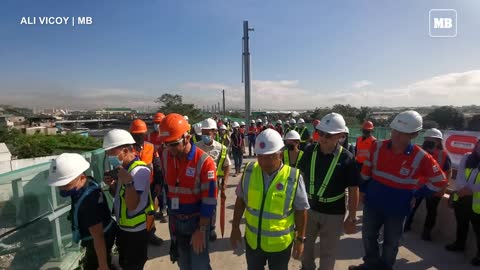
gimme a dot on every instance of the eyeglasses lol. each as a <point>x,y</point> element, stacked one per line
<point>174,143</point>
<point>322,134</point>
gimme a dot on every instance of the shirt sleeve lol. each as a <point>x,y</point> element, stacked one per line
<point>208,188</point>
<point>460,180</point>
<point>301,199</point>
<point>434,176</point>
<point>366,170</point>
<point>141,179</point>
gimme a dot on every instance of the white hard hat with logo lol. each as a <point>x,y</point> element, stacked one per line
<point>407,122</point>
<point>292,121</point>
<point>66,168</point>
<point>252,121</point>
<point>235,125</point>
<point>433,133</point>
<point>268,142</point>
<point>332,123</point>
<point>301,121</point>
<point>292,135</point>
<point>259,120</point>
<point>209,123</point>
<point>223,127</point>
<point>117,137</point>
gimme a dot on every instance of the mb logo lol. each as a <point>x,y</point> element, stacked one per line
<point>442,23</point>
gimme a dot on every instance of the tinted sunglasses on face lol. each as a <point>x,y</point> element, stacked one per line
<point>174,143</point>
<point>327,135</point>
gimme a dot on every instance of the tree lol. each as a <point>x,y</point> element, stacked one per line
<point>173,104</point>
<point>363,114</point>
<point>427,124</point>
<point>474,123</point>
<point>345,110</point>
<point>447,117</point>
<point>319,113</point>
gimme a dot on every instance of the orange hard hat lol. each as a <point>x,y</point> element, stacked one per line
<point>367,125</point>
<point>173,127</point>
<point>158,117</point>
<point>138,126</point>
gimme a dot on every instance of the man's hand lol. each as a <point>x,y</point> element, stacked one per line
<point>465,191</point>
<point>108,180</point>
<point>124,176</point>
<point>103,267</point>
<point>297,251</point>
<point>235,237</point>
<point>198,241</point>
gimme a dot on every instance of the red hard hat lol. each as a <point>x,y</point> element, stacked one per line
<point>367,125</point>
<point>138,126</point>
<point>158,117</point>
<point>173,127</point>
<point>315,123</point>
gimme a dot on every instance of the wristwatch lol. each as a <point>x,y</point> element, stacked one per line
<point>300,239</point>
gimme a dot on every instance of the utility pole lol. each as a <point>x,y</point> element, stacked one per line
<point>223,94</point>
<point>246,69</point>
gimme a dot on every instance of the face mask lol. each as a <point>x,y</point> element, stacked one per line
<point>366,133</point>
<point>156,127</point>
<point>428,145</point>
<point>342,140</point>
<point>139,138</point>
<point>290,147</point>
<point>207,139</point>
<point>114,161</point>
<point>69,193</point>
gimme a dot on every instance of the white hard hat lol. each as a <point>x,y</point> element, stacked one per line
<point>252,121</point>
<point>268,142</point>
<point>433,133</point>
<point>242,123</point>
<point>347,130</point>
<point>225,119</point>
<point>223,127</point>
<point>65,168</point>
<point>117,137</point>
<point>407,122</point>
<point>186,117</point>
<point>209,123</point>
<point>292,135</point>
<point>235,125</point>
<point>301,121</point>
<point>259,120</point>
<point>292,121</point>
<point>198,128</point>
<point>332,123</point>
<point>279,122</point>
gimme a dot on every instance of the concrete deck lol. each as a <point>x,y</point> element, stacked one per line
<point>414,254</point>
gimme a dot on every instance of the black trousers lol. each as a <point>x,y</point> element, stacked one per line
<point>132,249</point>
<point>257,259</point>
<point>90,260</point>
<point>465,215</point>
<point>432,205</point>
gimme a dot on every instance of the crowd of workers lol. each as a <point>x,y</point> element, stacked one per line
<point>300,186</point>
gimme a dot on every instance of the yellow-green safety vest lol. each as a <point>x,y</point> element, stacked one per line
<point>469,174</point>
<point>269,215</point>
<point>125,220</point>
<point>221,161</point>
<point>286,158</point>
<point>301,135</point>
<point>326,180</point>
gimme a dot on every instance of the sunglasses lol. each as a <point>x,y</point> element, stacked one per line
<point>174,143</point>
<point>324,134</point>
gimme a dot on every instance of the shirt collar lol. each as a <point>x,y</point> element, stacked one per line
<point>130,164</point>
<point>191,154</point>
<point>274,173</point>
<point>408,150</point>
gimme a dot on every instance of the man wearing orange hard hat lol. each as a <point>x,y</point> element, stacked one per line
<point>364,143</point>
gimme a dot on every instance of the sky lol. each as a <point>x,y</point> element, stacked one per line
<point>304,54</point>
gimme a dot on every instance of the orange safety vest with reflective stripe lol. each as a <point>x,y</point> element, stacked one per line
<point>441,157</point>
<point>403,171</point>
<point>146,155</point>
<point>194,177</point>
<point>363,148</point>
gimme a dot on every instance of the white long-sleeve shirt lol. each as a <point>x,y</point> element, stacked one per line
<point>461,181</point>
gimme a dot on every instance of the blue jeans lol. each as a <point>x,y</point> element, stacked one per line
<point>238,158</point>
<point>187,258</point>
<point>393,229</point>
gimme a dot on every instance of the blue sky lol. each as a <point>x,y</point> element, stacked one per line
<point>305,54</point>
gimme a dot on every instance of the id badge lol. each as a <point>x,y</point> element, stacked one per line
<point>175,204</point>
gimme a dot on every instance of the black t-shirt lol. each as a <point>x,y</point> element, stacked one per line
<point>345,175</point>
<point>93,210</point>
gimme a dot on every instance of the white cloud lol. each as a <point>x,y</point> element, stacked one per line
<point>361,84</point>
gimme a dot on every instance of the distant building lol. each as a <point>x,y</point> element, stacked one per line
<point>116,111</point>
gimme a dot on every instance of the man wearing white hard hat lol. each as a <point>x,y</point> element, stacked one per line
<point>272,195</point>
<point>393,173</point>
<point>304,133</point>
<point>292,155</point>
<point>279,128</point>
<point>329,170</point>
<point>133,201</point>
<point>92,224</point>
<point>219,153</point>
<point>432,143</point>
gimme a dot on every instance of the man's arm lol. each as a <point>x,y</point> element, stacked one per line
<point>238,212</point>
<point>96,231</point>
<point>300,222</point>
<point>353,194</point>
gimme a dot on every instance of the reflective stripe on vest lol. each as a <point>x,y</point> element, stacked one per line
<point>363,148</point>
<point>286,158</point>
<point>197,186</point>
<point>301,135</point>
<point>327,178</point>
<point>269,215</point>
<point>408,179</point>
<point>125,220</point>
<point>476,195</point>
<point>221,161</point>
